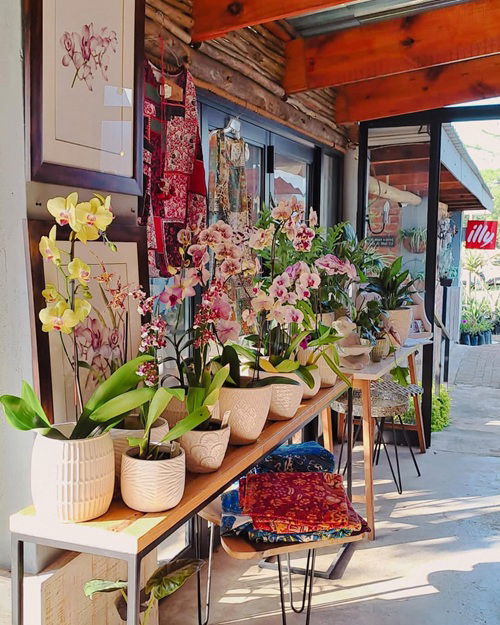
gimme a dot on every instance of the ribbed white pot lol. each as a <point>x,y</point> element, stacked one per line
<point>72,480</point>
<point>152,485</point>
<point>175,411</point>
<point>328,377</point>
<point>120,437</point>
<point>285,398</point>
<point>249,408</point>
<point>205,450</point>
<point>401,319</point>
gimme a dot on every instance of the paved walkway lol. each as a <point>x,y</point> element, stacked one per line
<point>436,558</point>
<point>475,366</point>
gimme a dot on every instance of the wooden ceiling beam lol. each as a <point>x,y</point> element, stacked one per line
<point>453,83</point>
<point>431,38</point>
<point>214,18</point>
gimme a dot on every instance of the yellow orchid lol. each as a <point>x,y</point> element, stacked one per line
<point>82,309</point>
<point>91,218</point>
<point>48,248</point>
<point>63,209</point>
<point>50,294</point>
<point>59,317</point>
<point>78,270</point>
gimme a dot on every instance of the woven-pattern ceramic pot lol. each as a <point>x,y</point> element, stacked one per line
<point>152,485</point>
<point>72,480</point>
<point>120,438</point>
<point>175,411</point>
<point>205,450</point>
<point>401,319</point>
<point>309,392</point>
<point>249,408</point>
<point>285,398</point>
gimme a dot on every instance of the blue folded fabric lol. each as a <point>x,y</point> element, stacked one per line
<point>300,458</point>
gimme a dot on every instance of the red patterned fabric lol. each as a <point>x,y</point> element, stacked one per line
<point>297,502</point>
<point>175,194</point>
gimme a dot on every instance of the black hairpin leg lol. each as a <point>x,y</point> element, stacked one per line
<point>399,483</point>
<point>380,429</point>
<point>405,434</point>
<point>203,619</point>
<point>307,590</point>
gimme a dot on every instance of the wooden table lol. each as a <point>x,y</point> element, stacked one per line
<point>130,535</point>
<point>361,380</point>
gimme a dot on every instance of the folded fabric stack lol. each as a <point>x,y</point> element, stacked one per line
<point>291,496</point>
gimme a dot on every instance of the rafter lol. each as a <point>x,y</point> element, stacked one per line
<point>419,91</point>
<point>435,37</point>
<point>214,18</point>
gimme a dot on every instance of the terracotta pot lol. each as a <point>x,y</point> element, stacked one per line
<point>175,411</point>
<point>205,450</point>
<point>401,319</point>
<point>285,398</point>
<point>152,485</point>
<point>249,408</point>
<point>72,480</point>
<point>381,349</point>
<point>328,377</point>
<point>133,427</point>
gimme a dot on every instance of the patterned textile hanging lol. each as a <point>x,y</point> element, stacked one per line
<point>174,175</point>
<point>227,185</point>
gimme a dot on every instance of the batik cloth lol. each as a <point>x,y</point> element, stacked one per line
<point>296,502</point>
<point>174,175</point>
<point>298,458</point>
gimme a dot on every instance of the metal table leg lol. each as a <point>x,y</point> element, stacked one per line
<point>133,590</point>
<point>17,578</point>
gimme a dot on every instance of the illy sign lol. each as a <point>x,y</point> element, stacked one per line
<point>481,235</point>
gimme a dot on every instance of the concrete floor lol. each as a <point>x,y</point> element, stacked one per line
<point>436,557</point>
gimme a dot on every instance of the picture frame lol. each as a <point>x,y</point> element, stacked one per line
<point>85,57</point>
<point>131,261</point>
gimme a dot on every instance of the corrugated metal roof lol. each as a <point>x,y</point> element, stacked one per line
<point>352,14</point>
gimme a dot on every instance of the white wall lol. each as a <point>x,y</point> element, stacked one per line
<point>15,331</point>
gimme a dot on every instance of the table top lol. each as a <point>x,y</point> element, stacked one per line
<point>375,370</point>
<point>127,531</point>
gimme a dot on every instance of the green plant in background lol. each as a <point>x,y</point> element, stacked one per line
<point>111,401</point>
<point>414,239</point>
<point>440,415</point>
<point>164,582</point>
<point>392,285</point>
<point>478,315</point>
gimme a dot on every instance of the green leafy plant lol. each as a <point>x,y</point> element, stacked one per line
<point>392,285</point>
<point>414,239</point>
<point>163,582</point>
<point>440,411</point>
<point>111,401</point>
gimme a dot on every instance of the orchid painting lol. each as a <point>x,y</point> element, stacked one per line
<point>89,52</point>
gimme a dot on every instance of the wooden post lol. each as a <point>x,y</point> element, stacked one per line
<point>368,435</point>
<point>416,404</point>
<point>326,421</point>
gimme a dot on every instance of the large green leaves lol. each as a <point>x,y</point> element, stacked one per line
<point>274,379</point>
<point>170,577</point>
<point>29,396</point>
<point>195,418</point>
<point>230,358</point>
<point>121,404</point>
<point>20,414</point>
<point>101,585</point>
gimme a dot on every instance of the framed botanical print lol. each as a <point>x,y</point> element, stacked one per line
<point>110,335</point>
<point>84,66</point>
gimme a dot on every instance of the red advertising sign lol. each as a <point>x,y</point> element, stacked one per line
<point>481,235</point>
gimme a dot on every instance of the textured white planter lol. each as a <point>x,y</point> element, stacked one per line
<point>120,438</point>
<point>311,392</point>
<point>401,320</point>
<point>72,480</point>
<point>175,411</point>
<point>328,377</point>
<point>205,450</point>
<point>152,485</point>
<point>327,319</point>
<point>285,398</point>
<point>249,408</point>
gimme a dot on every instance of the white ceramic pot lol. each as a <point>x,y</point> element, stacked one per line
<point>175,411</point>
<point>249,408</point>
<point>205,450</point>
<point>120,437</point>
<point>72,480</point>
<point>401,319</point>
<point>328,377</point>
<point>327,319</point>
<point>285,398</point>
<point>310,392</point>
<point>152,485</point>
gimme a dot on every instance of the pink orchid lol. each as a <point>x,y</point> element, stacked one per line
<point>278,314</point>
<point>290,229</point>
<point>223,229</point>
<point>221,307</point>
<point>209,237</point>
<point>230,267</point>
<point>277,291</point>
<point>184,237</point>
<point>199,254</point>
<point>282,280</point>
<point>293,315</point>
<point>313,218</point>
<point>226,249</point>
<point>334,266</point>
<point>309,280</point>
<point>262,301</point>
<point>227,330</point>
<point>290,298</point>
<point>261,238</point>
<point>296,269</point>
<point>302,292</point>
<point>249,317</point>
<point>187,282</point>
<point>282,212</point>
<point>171,296</point>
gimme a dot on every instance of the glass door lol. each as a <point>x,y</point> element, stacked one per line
<point>291,172</point>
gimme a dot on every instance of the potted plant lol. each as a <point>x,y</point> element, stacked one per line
<point>373,325</point>
<point>414,239</point>
<point>163,582</point>
<point>72,466</point>
<point>394,289</point>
